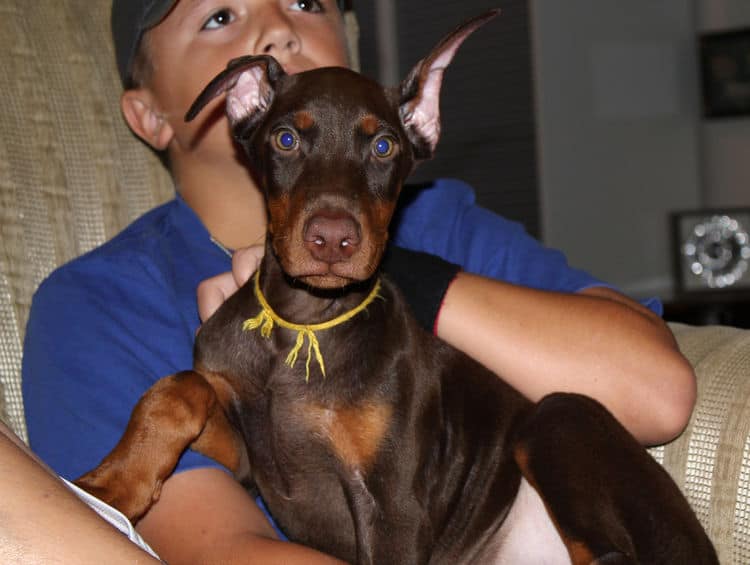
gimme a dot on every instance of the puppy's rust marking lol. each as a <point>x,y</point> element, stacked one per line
<point>278,210</point>
<point>379,216</point>
<point>219,439</point>
<point>580,553</point>
<point>355,433</point>
<point>369,124</point>
<point>303,120</point>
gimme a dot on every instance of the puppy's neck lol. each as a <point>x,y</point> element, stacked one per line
<point>299,303</point>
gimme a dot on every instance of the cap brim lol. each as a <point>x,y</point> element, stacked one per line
<point>155,13</point>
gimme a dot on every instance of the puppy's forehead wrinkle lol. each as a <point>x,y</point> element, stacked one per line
<point>335,88</point>
<point>332,187</point>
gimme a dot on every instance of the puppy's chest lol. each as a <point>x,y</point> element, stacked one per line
<point>353,433</point>
<point>306,401</point>
<point>309,423</point>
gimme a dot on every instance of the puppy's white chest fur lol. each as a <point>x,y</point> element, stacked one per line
<point>528,536</point>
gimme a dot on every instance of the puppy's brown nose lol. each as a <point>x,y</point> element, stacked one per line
<point>332,236</point>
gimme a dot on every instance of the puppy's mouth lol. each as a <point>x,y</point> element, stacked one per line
<point>318,274</point>
<point>327,282</point>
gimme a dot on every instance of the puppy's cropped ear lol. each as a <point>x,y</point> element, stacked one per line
<point>249,83</point>
<point>419,104</point>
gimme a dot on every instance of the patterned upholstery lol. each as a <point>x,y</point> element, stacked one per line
<point>711,460</point>
<point>71,176</point>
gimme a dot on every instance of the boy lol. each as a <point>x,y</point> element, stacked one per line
<point>106,326</point>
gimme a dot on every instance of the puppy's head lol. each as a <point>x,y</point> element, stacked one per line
<point>331,149</point>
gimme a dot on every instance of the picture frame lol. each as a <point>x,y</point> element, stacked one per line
<point>711,250</point>
<point>725,73</point>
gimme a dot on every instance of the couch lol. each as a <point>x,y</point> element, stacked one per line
<point>71,176</point>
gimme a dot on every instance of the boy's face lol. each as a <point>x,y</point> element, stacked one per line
<point>198,37</point>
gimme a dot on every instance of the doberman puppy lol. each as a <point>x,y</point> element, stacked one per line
<point>367,437</point>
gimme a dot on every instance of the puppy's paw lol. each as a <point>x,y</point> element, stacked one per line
<point>121,490</point>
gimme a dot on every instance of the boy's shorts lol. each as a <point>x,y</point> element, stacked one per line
<point>111,515</point>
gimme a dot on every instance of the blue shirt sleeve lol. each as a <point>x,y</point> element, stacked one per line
<point>100,333</point>
<point>444,219</point>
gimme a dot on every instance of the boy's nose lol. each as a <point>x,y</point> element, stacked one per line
<point>277,35</point>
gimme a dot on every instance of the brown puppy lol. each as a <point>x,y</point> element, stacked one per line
<point>368,438</point>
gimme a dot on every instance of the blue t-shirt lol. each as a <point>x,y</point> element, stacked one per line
<point>104,327</point>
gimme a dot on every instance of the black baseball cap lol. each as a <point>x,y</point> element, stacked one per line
<point>130,19</point>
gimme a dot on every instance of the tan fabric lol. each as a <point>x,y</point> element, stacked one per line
<point>711,460</point>
<point>71,174</point>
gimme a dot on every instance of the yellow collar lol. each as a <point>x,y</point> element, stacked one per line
<point>267,317</point>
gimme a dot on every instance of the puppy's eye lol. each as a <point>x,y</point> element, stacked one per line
<point>219,19</point>
<point>383,146</point>
<point>286,140</point>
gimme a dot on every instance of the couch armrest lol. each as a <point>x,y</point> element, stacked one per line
<point>71,173</point>
<point>710,461</point>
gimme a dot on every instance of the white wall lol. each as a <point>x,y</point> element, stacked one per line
<point>725,144</point>
<point>618,133</point>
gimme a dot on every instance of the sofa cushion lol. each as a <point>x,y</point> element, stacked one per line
<point>71,174</point>
<point>711,459</point>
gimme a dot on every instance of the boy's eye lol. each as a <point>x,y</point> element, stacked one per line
<point>307,6</point>
<point>285,140</point>
<point>219,19</point>
<point>383,146</point>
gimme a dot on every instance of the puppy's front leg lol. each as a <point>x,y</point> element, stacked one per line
<point>364,510</point>
<point>178,411</point>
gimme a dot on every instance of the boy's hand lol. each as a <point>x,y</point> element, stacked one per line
<point>214,291</point>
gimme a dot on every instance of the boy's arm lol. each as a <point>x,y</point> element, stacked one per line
<point>44,522</point>
<point>596,342</point>
<point>205,516</point>
<point>572,333</point>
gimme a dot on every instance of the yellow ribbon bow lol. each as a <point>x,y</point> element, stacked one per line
<point>267,318</point>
